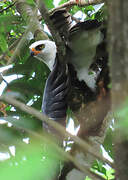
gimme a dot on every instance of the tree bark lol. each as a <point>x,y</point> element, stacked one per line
<point>118,48</point>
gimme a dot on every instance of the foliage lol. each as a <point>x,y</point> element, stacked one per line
<point>103,170</point>
<point>28,87</point>
<point>122,117</point>
<point>29,161</point>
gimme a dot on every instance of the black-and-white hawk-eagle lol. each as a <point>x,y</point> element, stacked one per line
<point>86,54</point>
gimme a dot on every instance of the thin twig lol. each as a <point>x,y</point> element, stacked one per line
<point>20,45</point>
<point>2,78</point>
<point>13,45</point>
<point>5,9</point>
<point>83,144</point>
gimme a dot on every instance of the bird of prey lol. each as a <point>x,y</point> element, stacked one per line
<point>86,56</point>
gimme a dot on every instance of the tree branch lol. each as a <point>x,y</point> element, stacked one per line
<point>66,156</point>
<point>118,56</point>
<point>56,36</point>
<point>30,16</point>
<point>83,144</point>
<point>5,9</point>
<point>80,3</point>
<point>12,46</point>
<point>33,25</point>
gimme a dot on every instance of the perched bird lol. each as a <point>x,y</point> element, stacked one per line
<point>86,55</point>
<point>82,43</point>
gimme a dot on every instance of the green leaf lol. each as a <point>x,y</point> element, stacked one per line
<point>108,144</point>
<point>3,43</point>
<point>49,4</point>
<point>90,72</point>
<point>62,1</point>
<point>9,135</point>
<point>122,116</point>
<point>8,18</point>
<point>6,22</point>
<point>22,122</point>
<point>1,3</point>
<point>87,178</point>
<point>31,162</point>
<point>31,2</point>
<point>110,174</point>
<point>101,169</point>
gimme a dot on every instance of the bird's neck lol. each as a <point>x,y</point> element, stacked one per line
<point>50,63</point>
<point>49,58</point>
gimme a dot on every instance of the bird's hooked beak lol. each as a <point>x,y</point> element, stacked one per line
<point>34,52</point>
<point>31,53</point>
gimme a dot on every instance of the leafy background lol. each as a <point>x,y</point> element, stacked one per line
<point>22,156</point>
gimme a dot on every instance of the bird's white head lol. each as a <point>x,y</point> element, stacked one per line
<point>44,50</point>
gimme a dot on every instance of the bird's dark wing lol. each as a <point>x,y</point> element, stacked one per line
<point>62,21</point>
<point>85,26</point>
<point>55,94</point>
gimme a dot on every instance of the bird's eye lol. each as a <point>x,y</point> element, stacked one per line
<point>40,47</point>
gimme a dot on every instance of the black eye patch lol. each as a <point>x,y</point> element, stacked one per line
<point>40,47</point>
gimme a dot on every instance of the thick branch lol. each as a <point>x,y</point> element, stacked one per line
<point>80,3</point>
<point>56,36</point>
<point>118,31</point>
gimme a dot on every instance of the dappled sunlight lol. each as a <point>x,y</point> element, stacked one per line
<point>4,156</point>
<point>9,79</point>
<point>12,150</point>
<point>26,140</point>
<point>105,154</point>
<point>71,127</point>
